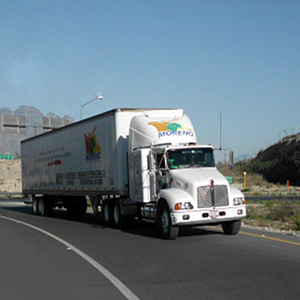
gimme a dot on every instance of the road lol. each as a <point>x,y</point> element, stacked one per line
<point>69,258</point>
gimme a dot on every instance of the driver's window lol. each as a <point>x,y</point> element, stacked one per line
<point>160,161</point>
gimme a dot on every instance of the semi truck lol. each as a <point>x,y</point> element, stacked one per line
<point>131,164</point>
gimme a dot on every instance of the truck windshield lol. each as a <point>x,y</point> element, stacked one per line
<point>189,158</point>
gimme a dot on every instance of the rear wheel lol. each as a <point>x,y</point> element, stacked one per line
<point>35,203</point>
<point>107,213</point>
<point>117,215</point>
<point>165,228</point>
<point>44,207</point>
<point>232,228</point>
<point>121,221</point>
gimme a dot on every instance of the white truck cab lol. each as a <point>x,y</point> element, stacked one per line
<point>177,181</point>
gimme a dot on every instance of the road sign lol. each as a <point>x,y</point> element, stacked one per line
<point>229,178</point>
<point>6,156</point>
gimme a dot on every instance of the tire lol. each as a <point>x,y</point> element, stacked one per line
<point>165,228</point>
<point>35,204</point>
<point>107,213</point>
<point>121,221</point>
<point>232,228</point>
<point>118,218</point>
<point>44,207</point>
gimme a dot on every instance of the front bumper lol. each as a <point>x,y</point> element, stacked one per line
<point>208,216</point>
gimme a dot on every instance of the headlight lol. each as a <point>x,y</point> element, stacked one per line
<point>183,205</point>
<point>239,201</point>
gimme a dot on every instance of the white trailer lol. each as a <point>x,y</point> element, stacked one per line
<point>131,163</point>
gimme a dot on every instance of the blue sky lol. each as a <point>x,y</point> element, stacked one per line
<point>238,57</point>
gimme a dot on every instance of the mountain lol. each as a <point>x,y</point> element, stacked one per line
<point>6,111</point>
<point>69,118</point>
<point>33,115</point>
<point>10,143</point>
<point>52,115</point>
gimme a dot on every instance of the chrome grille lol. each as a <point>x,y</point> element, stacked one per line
<point>206,195</point>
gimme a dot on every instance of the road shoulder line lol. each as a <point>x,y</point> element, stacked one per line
<point>114,280</point>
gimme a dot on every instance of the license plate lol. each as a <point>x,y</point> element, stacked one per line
<point>213,214</point>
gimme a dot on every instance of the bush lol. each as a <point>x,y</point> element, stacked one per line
<point>297,220</point>
<point>284,215</point>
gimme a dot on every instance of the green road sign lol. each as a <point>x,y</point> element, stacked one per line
<point>229,178</point>
<point>6,156</point>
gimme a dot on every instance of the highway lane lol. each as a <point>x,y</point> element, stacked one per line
<point>202,263</point>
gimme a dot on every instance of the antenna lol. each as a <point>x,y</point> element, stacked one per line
<point>220,130</point>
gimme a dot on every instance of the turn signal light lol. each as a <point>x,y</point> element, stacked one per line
<point>183,205</point>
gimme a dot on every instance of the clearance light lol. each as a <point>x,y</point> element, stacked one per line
<point>183,205</point>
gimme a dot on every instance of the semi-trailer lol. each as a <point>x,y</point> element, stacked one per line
<point>131,163</point>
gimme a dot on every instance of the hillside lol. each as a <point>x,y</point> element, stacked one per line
<point>280,162</point>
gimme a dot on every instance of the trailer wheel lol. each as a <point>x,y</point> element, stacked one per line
<point>35,205</point>
<point>44,207</point>
<point>231,228</point>
<point>165,228</point>
<point>118,218</point>
<point>107,213</point>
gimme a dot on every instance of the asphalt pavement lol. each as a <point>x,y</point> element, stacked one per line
<point>39,255</point>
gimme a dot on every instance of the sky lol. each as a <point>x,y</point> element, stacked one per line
<point>235,61</point>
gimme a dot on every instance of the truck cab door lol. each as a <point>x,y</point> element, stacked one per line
<point>152,176</point>
<point>140,186</point>
<point>136,182</point>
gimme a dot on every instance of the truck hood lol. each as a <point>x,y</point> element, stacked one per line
<point>197,177</point>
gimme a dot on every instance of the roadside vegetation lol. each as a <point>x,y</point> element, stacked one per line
<point>274,215</point>
<point>282,215</point>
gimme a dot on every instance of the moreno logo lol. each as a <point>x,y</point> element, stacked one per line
<point>171,128</point>
<point>93,149</point>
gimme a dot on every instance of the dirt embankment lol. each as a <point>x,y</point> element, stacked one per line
<point>10,176</point>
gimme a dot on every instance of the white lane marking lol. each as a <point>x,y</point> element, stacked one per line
<point>114,280</point>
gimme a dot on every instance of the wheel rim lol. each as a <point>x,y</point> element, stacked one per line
<point>116,214</point>
<point>106,212</point>
<point>165,223</point>
<point>34,206</point>
<point>41,207</point>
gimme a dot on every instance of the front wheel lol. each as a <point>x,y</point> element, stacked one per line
<point>232,228</point>
<point>165,228</point>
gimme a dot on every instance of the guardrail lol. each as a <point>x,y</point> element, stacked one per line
<point>267,198</point>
